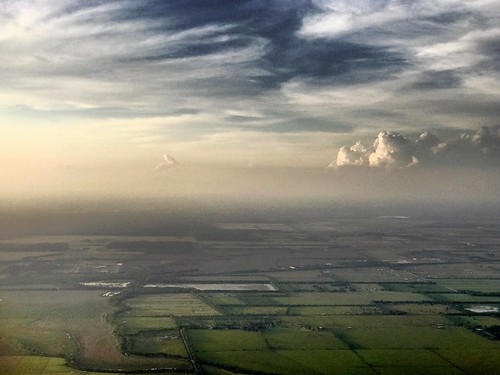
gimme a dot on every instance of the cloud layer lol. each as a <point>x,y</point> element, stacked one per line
<point>292,64</point>
<point>392,150</point>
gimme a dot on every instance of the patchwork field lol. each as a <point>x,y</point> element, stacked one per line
<point>345,296</point>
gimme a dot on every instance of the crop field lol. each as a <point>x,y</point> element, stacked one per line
<point>174,304</point>
<point>256,310</point>
<point>168,343</point>
<point>471,285</point>
<point>134,324</point>
<point>301,339</point>
<point>37,365</point>
<point>348,296</point>
<point>374,274</point>
<point>334,310</point>
<point>408,337</point>
<point>225,340</point>
<point>413,361</point>
<point>462,297</point>
<point>422,308</point>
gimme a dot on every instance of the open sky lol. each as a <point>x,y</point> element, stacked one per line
<point>157,97</point>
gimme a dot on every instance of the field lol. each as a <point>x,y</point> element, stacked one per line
<point>346,296</point>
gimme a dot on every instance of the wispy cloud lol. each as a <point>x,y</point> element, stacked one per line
<point>185,72</point>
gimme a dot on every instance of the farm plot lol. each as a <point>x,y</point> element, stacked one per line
<point>465,298</point>
<point>348,298</point>
<point>301,339</point>
<point>260,361</point>
<point>35,365</point>
<point>69,324</point>
<point>133,324</point>
<point>328,361</point>
<point>414,337</point>
<point>256,310</point>
<point>334,310</point>
<point>422,308</point>
<point>203,340</point>
<point>414,361</point>
<point>223,298</point>
<point>471,285</point>
<point>167,343</point>
<point>169,304</point>
<point>373,274</point>
<point>368,321</point>
<point>473,360</point>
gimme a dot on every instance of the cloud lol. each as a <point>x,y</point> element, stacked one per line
<point>167,163</point>
<point>391,150</point>
<point>323,66</point>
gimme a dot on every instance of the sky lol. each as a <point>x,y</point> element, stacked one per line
<point>338,98</point>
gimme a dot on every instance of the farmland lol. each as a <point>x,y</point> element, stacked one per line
<point>368,295</point>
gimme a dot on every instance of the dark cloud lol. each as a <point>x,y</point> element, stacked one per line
<point>278,23</point>
<point>371,63</point>
<point>436,80</point>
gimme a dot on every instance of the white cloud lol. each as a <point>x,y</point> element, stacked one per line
<point>167,163</point>
<point>391,150</point>
<point>355,155</point>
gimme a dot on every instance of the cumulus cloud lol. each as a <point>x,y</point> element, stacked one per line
<point>354,155</point>
<point>167,163</point>
<point>392,150</point>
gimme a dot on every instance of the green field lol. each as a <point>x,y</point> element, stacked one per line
<point>168,343</point>
<point>343,305</point>
<point>414,337</point>
<point>256,310</point>
<point>334,310</point>
<point>413,361</point>
<point>301,339</point>
<point>173,304</point>
<point>471,285</point>
<point>348,298</point>
<point>37,365</point>
<point>133,324</point>
<point>225,340</point>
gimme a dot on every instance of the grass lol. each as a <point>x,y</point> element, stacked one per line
<point>169,304</point>
<point>473,360</point>
<point>414,361</point>
<point>206,340</point>
<point>69,324</point>
<point>301,339</point>
<point>334,310</point>
<point>132,324</point>
<point>223,298</point>
<point>373,274</point>
<point>472,285</point>
<point>409,337</point>
<point>466,298</point>
<point>35,365</point>
<point>423,308</point>
<point>168,344</point>
<point>348,298</point>
<point>415,287</point>
<point>254,361</point>
<point>328,361</point>
<point>256,310</point>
